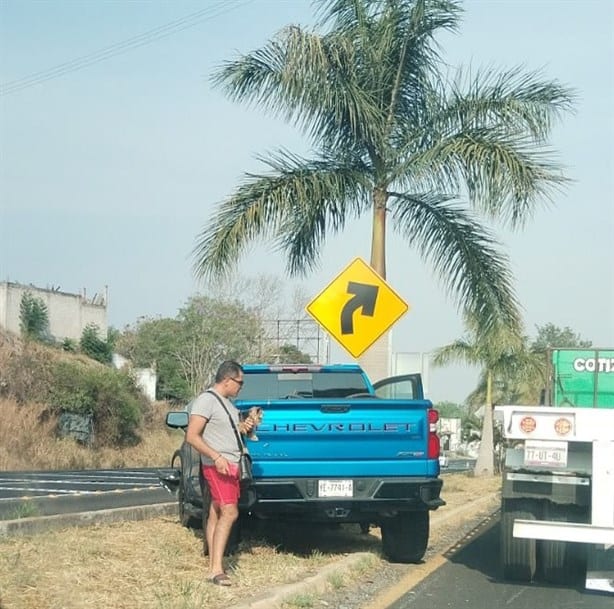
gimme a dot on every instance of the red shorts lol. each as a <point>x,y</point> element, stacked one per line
<point>224,489</point>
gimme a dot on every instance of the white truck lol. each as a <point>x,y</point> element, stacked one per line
<point>557,511</point>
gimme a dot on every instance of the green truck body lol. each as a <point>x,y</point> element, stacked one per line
<point>582,378</point>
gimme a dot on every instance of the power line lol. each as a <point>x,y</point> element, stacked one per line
<point>119,48</point>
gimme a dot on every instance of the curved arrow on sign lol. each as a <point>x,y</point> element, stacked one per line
<point>365,296</point>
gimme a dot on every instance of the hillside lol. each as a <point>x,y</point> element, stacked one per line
<point>29,432</point>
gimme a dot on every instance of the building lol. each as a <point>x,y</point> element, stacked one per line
<point>68,314</point>
<point>450,431</point>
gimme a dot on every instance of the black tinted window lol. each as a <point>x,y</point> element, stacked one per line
<point>288,385</point>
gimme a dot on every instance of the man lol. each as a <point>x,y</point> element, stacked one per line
<point>211,433</point>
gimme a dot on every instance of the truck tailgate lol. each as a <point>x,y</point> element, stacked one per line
<point>348,437</point>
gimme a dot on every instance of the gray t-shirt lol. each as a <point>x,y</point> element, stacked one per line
<point>218,432</point>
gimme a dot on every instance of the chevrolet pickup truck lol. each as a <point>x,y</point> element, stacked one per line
<point>332,447</point>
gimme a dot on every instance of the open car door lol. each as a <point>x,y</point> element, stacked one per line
<point>405,386</point>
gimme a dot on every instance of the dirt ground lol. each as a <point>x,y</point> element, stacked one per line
<point>158,564</point>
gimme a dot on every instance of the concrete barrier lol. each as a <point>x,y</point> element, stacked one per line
<point>40,524</point>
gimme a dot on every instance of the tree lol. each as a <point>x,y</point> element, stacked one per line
<point>506,362</point>
<point>93,346</point>
<point>153,343</point>
<point>550,336</point>
<point>33,317</point>
<point>213,330</point>
<point>394,138</point>
<point>186,350</point>
<point>514,370</point>
<point>450,410</point>
<point>291,354</point>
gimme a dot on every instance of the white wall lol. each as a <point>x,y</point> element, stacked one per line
<point>145,378</point>
<point>68,313</point>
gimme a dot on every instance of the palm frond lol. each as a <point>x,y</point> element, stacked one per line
<point>457,351</point>
<point>524,102</point>
<point>295,204</point>
<point>505,173</point>
<point>463,254</point>
<point>308,79</point>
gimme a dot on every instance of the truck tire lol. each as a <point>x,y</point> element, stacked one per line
<point>518,556</point>
<point>405,536</point>
<point>184,514</point>
<point>561,562</point>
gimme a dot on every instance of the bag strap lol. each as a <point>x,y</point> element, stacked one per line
<point>240,442</point>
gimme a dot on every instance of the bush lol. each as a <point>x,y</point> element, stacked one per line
<point>93,346</point>
<point>109,395</point>
<point>26,372</point>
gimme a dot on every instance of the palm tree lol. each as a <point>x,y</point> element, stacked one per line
<point>393,137</point>
<point>512,373</point>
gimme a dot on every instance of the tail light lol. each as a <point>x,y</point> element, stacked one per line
<point>433,447</point>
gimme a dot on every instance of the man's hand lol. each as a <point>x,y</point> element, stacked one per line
<point>246,426</point>
<point>221,465</point>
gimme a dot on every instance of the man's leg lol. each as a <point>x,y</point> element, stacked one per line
<point>226,517</point>
<point>209,532</point>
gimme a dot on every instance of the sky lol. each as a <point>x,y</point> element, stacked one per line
<point>117,150</point>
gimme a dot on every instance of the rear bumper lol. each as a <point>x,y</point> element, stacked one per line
<point>372,497</point>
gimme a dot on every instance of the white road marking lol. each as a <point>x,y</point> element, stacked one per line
<point>54,491</point>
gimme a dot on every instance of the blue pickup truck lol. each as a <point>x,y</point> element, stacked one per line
<point>332,447</point>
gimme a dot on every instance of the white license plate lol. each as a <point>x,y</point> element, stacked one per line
<point>543,452</point>
<point>335,488</point>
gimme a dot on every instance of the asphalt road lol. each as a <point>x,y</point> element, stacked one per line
<point>45,493</point>
<point>61,492</point>
<point>470,578</point>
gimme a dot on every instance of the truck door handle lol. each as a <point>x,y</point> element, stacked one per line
<point>334,409</point>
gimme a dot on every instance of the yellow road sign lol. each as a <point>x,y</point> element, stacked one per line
<point>357,307</point>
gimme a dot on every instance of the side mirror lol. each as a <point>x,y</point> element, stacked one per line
<point>170,480</point>
<point>177,419</point>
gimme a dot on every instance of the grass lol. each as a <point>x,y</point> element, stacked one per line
<point>145,565</point>
<point>300,601</point>
<point>28,442</point>
<point>25,509</point>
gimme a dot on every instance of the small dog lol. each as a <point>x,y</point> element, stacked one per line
<point>254,416</point>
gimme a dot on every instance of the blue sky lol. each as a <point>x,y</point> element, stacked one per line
<point>108,173</point>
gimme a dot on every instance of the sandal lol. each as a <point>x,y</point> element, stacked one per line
<point>221,579</point>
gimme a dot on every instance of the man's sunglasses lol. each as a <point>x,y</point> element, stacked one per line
<point>237,381</point>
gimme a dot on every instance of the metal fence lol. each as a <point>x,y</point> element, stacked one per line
<point>305,335</point>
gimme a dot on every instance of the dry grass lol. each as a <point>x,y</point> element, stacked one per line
<point>145,565</point>
<point>28,442</point>
<point>158,564</point>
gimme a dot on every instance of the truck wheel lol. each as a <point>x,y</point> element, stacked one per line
<point>405,536</point>
<point>561,561</point>
<point>518,555</point>
<point>184,517</point>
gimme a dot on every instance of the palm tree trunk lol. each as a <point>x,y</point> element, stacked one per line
<point>485,465</point>
<point>375,361</point>
<point>378,234</point>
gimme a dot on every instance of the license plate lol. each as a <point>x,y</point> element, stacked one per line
<point>335,488</point>
<point>543,452</point>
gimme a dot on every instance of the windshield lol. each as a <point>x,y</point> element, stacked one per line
<point>288,385</point>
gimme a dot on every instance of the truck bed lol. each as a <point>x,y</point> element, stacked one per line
<point>342,437</point>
